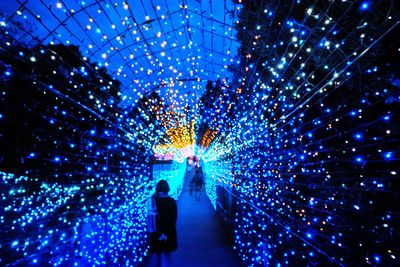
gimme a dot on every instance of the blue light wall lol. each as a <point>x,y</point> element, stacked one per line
<point>302,155</point>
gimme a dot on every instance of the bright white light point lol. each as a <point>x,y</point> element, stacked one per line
<point>3,23</point>
<point>33,59</point>
<point>126,6</point>
<point>158,7</point>
<point>104,55</point>
<point>59,5</point>
<point>147,17</point>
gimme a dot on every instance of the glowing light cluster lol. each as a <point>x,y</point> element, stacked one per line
<point>218,175</point>
<point>50,223</point>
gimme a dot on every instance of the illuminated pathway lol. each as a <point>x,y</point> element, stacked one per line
<point>202,239</point>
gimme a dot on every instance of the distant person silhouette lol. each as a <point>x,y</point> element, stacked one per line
<point>164,240</point>
<point>197,184</point>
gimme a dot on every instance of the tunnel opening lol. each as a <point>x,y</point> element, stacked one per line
<point>290,108</point>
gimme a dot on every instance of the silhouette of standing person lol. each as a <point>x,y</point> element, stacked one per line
<point>164,240</point>
<point>197,183</point>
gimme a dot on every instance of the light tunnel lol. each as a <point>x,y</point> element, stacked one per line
<point>290,107</point>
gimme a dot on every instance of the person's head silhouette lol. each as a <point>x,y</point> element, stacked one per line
<point>162,187</point>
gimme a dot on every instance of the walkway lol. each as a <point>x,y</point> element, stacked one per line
<point>202,238</point>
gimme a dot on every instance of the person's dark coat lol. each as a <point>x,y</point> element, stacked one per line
<point>198,180</point>
<point>165,224</point>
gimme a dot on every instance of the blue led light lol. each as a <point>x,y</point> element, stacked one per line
<point>359,159</point>
<point>377,258</point>
<point>388,155</point>
<point>358,136</point>
<point>364,5</point>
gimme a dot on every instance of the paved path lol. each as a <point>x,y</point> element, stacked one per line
<point>202,238</point>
